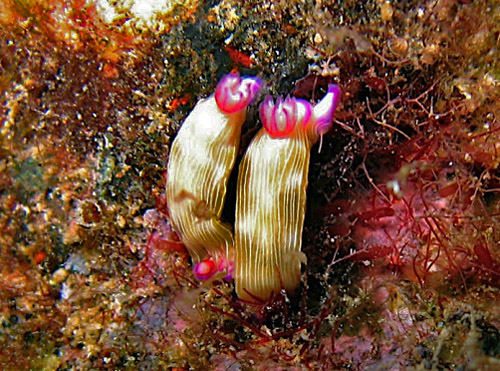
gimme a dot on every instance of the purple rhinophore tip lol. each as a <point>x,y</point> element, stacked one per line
<point>324,110</point>
<point>234,93</point>
<point>280,119</point>
<point>229,268</point>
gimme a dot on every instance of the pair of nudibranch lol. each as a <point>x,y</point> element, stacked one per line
<point>263,254</point>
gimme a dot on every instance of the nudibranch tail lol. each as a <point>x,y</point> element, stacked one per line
<point>205,269</point>
<point>234,93</point>
<point>323,111</point>
<point>280,119</point>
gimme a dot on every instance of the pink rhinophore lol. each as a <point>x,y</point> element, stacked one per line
<point>234,93</point>
<point>323,111</point>
<point>280,119</point>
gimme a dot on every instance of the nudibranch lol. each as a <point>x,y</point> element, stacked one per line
<point>271,194</point>
<point>200,161</point>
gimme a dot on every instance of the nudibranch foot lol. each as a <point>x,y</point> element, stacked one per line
<point>234,93</point>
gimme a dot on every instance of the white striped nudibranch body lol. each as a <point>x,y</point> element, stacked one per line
<point>271,195</point>
<point>200,161</point>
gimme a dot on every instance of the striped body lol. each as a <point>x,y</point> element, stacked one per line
<point>200,162</point>
<point>270,211</point>
<point>271,195</point>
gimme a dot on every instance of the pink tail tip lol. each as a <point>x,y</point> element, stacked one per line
<point>205,269</point>
<point>323,111</point>
<point>234,93</point>
<point>280,119</point>
<point>208,267</point>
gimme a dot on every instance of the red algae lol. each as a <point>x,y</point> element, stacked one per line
<point>420,234</point>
